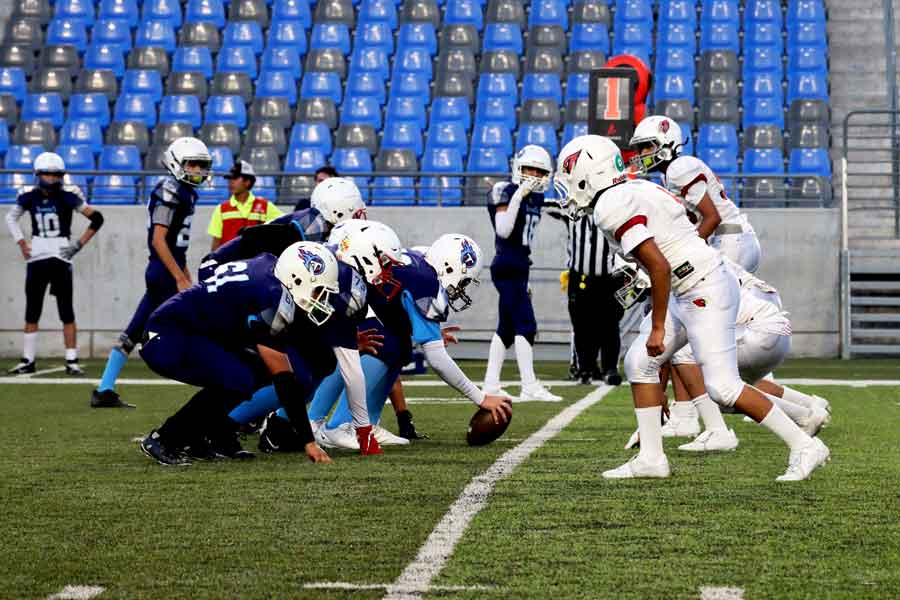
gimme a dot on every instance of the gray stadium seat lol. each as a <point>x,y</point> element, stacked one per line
<point>60,57</point>
<point>166,133</point>
<point>221,134</point>
<point>277,110</point>
<point>200,34</point>
<point>188,83</point>
<point>294,187</point>
<point>152,58</point>
<point>763,136</point>
<point>268,134</point>
<point>806,191</point>
<point>506,11</point>
<point>17,56</point>
<point>153,158</point>
<point>396,160</point>
<point>809,135</point>
<point>460,36</point>
<point>249,10</point>
<point>356,136</point>
<point>500,61</point>
<point>716,85</point>
<point>36,9</point>
<point>421,11</point>
<point>101,81</point>
<point>551,36</point>
<point>585,61</point>
<point>719,61</point>
<point>128,133</point>
<point>40,133</point>
<point>720,111</point>
<point>51,80</point>
<point>335,11</point>
<point>263,158</point>
<point>543,60</point>
<point>541,111</point>
<point>808,111</point>
<point>763,193</point>
<point>455,84</point>
<point>25,32</point>
<point>9,109</point>
<point>577,111</point>
<point>680,111</point>
<point>457,60</point>
<point>232,84</point>
<point>329,60</point>
<point>477,189</point>
<point>591,11</point>
<point>317,110</point>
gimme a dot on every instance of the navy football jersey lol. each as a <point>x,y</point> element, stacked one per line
<point>516,249</point>
<point>309,222</point>
<point>51,218</point>
<point>172,204</point>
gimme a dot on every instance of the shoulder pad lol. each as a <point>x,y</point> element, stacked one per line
<point>682,170</point>
<point>502,192</point>
<point>168,191</point>
<point>76,191</point>
<point>25,190</point>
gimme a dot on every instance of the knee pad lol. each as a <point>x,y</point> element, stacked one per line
<point>640,367</point>
<point>724,390</point>
<point>125,344</point>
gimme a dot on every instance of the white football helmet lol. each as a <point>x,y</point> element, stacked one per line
<point>662,135</point>
<point>188,150</point>
<point>635,282</point>
<point>372,248</point>
<point>49,163</point>
<point>338,199</point>
<point>458,261</point>
<point>309,271</point>
<point>532,156</point>
<point>587,165</point>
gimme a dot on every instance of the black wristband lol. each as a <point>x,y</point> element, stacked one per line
<point>96,220</point>
<point>287,388</point>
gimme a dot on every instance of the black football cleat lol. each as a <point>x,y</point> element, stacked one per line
<point>25,367</point>
<point>227,444</point>
<point>153,447</point>
<point>406,427</point>
<point>73,368</point>
<point>278,435</point>
<point>585,378</point>
<point>612,377</point>
<point>200,449</point>
<point>108,399</point>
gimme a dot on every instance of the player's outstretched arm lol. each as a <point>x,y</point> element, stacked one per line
<point>657,267</point>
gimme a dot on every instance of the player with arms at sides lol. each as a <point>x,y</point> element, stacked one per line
<point>515,211</point>
<point>171,208</point>
<point>50,204</point>
<point>260,321</point>
<point>695,300</point>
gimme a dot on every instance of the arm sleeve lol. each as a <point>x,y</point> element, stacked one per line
<point>272,212</point>
<point>505,222</point>
<point>162,215</point>
<point>354,383</point>
<point>12,222</point>
<point>449,371</point>
<point>424,330</point>
<point>215,223</point>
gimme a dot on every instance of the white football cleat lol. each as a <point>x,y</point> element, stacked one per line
<point>342,437</point>
<point>537,393</point>
<point>818,419</point>
<point>638,468</point>
<point>683,421</point>
<point>805,460</point>
<point>318,429</point>
<point>712,440</point>
<point>821,403</point>
<point>497,391</point>
<point>386,438</point>
<point>634,440</point>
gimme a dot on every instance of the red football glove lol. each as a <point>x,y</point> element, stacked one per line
<point>368,445</point>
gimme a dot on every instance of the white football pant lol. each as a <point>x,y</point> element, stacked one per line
<point>742,248</point>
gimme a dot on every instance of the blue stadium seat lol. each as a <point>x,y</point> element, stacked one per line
<point>641,51</point>
<point>213,194</point>
<point>763,11</point>
<point>265,186</point>
<point>808,34</point>
<point>548,12</point>
<point>372,60</point>
<point>364,110</point>
<point>573,130</point>
<point>413,60</point>
<point>78,157</point>
<point>801,12</point>
<point>226,109</point>
<point>75,10</point>
<point>723,163</point>
<point>763,160</point>
<point>136,107</point>
<point>303,160</point>
<point>222,158</point>
<point>464,12</point>
<point>367,84</point>
<point>120,158</point>
<point>70,32</point>
<point>453,109</point>
<point>674,86</point>
<point>120,9</point>
<point>763,111</point>
<point>493,85</point>
<point>717,135</point>
<point>282,59</point>
<point>720,11</point>
<point>330,35</point>
<point>540,134</point>
<point>678,11</point>
<point>288,34</point>
<point>415,85</point>
<point>239,59</point>
<point>43,106</point>
<point>541,85</point>
<point>143,81</point>
<point>406,108</point>
<point>80,132</point>
<point>193,58</point>
<point>378,11</point>
<point>448,134</point>
<point>636,36</point>
<point>810,161</point>
<point>112,31</point>
<point>158,34</point>
<point>394,191</point>
<point>578,86</point>
<point>487,160</point>
<point>763,85</point>
<point>589,36</point>
<point>277,84</point>
<point>764,34</point>
<point>211,11</point>
<point>445,191</point>
<point>162,10</point>
<point>90,106</point>
<point>807,58</point>
<point>402,134</point>
<point>311,135</point>
<point>244,33</point>
<point>354,160</point>
<point>807,85</point>
<point>721,36</point>
<point>629,11</point>
<point>4,137</point>
<point>291,10</point>
<point>376,35</point>
<point>417,35</point>
<point>22,157</point>
<point>322,85</point>
<point>762,59</point>
<point>677,35</point>
<point>496,110</point>
<point>113,189</point>
<point>490,135</point>
<point>675,60</point>
<point>105,56</point>
<point>502,36</point>
<point>181,108</point>
<point>442,160</point>
<point>12,81</point>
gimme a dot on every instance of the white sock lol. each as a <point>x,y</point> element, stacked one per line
<point>525,359</point>
<point>778,423</point>
<point>71,353</point>
<point>29,346</point>
<point>796,397</point>
<point>682,409</point>
<point>794,411</point>
<point>710,413</point>
<point>496,355</point>
<point>650,431</point>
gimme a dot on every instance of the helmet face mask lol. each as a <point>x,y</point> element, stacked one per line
<point>188,160</point>
<point>309,272</point>
<point>635,284</point>
<point>536,158</point>
<point>662,137</point>
<point>458,261</point>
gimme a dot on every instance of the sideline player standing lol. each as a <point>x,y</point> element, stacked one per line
<point>171,209</point>
<point>49,255</point>
<point>515,210</point>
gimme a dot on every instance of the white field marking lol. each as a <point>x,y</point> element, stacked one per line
<point>842,382</point>
<point>416,578</point>
<point>721,593</point>
<point>343,585</point>
<point>77,592</point>
<point>41,372</point>
<point>438,400</point>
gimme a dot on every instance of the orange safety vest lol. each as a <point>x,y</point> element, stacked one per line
<point>233,222</point>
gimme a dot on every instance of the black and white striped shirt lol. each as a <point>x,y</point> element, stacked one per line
<point>588,252</point>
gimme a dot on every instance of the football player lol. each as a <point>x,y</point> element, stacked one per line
<point>694,300</point>
<point>50,204</point>
<point>171,209</point>
<point>515,211</point>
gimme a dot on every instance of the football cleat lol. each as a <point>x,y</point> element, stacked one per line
<point>108,399</point>
<point>613,378</point>
<point>73,368</point>
<point>639,468</point>
<point>822,403</point>
<point>585,378</point>
<point>537,393</point>
<point>368,445</point>
<point>227,444</point>
<point>24,367</point>
<point>818,419</point>
<point>200,449</point>
<point>712,440</point>
<point>153,447</point>
<point>805,460</point>
<point>683,421</point>
<point>386,438</point>
<point>278,435</point>
<point>634,441</point>
<point>342,437</point>
<point>497,391</point>
<point>407,428</point>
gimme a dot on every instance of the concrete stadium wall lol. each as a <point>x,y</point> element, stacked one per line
<point>800,257</point>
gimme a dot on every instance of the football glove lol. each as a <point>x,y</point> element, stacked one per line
<point>71,250</point>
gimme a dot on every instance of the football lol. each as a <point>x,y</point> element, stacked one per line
<point>482,429</point>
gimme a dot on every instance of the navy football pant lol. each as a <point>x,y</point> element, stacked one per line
<point>160,287</point>
<point>515,309</point>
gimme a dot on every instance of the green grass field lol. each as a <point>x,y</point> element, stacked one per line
<point>82,505</point>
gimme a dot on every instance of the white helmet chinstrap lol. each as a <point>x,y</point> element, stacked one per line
<point>338,199</point>
<point>587,165</point>
<point>372,248</point>
<point>309,271</point>
<point>537,158</point>
<point>188,160</point>
<point>458,261</point>
<point>657,140</point>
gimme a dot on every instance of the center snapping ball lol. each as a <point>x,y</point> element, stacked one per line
<point>482,429</point>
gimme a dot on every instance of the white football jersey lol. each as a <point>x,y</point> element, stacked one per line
<point>688,177</point>
<point>638,210</point>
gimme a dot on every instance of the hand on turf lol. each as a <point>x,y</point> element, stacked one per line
<point>316,454</point>
<point>369,341</point>
<point>25,247</point>
<point>447,334</point>
<point>499,406</point>
<point>655,343</point>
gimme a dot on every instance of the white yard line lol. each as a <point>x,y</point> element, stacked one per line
<point>416,578</point>
<point>343,585</point>
<point>77,592</point>
<point>41,372</point>
<point>842,382</point>
<point>721,593</point>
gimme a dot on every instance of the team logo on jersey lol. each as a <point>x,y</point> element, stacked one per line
<point>664,126</point>
<point>312,261</point>
<point>569,162</point>
<point>467,255</point>
<point>700,302</point>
